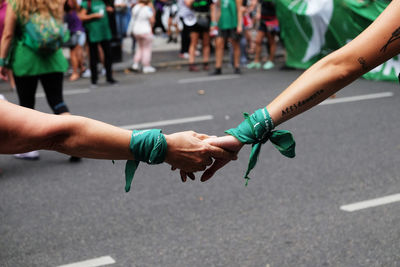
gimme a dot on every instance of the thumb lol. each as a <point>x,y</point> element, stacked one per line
<point>219,153</point>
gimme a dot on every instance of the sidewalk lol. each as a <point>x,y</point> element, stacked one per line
<point>165,55</point>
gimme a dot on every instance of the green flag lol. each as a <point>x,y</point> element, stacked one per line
<point>311,29</point>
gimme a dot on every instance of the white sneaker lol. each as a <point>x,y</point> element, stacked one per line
<point>135,66</point>
<point>148,69</point>
<point>87,73</point>
<point>103,72</point>
<point>33,155</point>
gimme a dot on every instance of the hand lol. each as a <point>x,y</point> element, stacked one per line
<point>228,143</point>
<point>109,9</point>
<point>96,16</point>
<point>239,29</point>
<point>4,73</point>
<point>188,152</point>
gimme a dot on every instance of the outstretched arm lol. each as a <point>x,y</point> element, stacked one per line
<point>23,130</point>
<point>378,43</point>
<point>375,45</point>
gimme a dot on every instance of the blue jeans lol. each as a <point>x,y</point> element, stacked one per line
<point>122,20</point>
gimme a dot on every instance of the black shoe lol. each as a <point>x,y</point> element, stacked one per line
<point>216,72</point>
<point>112,82</point>
<point>75,159</point>
<point>237,71</point>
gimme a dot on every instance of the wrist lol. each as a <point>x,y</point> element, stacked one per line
<point>213,24</point>
<point>3,62</point>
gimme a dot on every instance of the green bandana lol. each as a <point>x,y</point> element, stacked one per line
<point>149,146</point>
<point>256,129</point>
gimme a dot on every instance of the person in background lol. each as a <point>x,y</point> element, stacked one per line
<point>3,8</point>
<point>268,27</point>
<point>173,27</point>
<point>122,16</point>
<point>202,11</point>
<point>142,19</point>
<point>186,15</point>
<point>94,15</point>
<point>159,10</point>
<point>249,7</point>
<point>77,39</point>
<point>30,66</point>
<point>229,29</point>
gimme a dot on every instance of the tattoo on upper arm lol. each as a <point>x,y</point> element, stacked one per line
<point>301,103</point>
<point>363,63</point>
<point>395,36</point>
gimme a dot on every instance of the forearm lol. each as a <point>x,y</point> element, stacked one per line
<point>377,44</point>
<point>315,85</point>
<point>84,16</point>
<point>23,130</point>
<point>84,137</point>
<point>239,12</point>
<point>8,33</point>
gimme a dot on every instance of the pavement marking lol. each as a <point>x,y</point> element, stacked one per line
<point>356,98</point>
<point>147,125</point>
<point>208,78</point>
<point>101,261</point>
<point>371,203</point>
<point>68,92</point>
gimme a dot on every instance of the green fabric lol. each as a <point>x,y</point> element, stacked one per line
<point>312,30</point>
<point>228,18</point>
<point>44,34</point>
<point>98,29</point>
<point>147,145</point>
<point>256,129</point>
<point>25,62</point>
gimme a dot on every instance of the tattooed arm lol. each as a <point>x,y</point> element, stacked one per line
<point>378,43</point>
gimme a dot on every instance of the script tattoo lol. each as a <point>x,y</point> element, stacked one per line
<point>301,103</point>
<point>363,63</point>
<point>394,37</point>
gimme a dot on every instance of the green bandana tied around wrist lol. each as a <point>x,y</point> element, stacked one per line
<point>256,129</point>
<point>149,146</point>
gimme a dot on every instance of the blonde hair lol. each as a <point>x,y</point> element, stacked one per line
<point>24,8</point>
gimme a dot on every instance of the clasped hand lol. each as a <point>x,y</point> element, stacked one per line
<point>192,152</point>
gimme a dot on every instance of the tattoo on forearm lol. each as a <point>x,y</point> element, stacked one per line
<point>301,103</point>
<point>395,36</point>
<point>363,63</point>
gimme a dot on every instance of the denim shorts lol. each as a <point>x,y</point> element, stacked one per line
<point>77,38</point>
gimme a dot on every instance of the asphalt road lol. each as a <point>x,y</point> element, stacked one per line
<point>293,212</point>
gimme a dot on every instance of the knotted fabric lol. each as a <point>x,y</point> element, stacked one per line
<point>147,145</point>
<point>257,129</point>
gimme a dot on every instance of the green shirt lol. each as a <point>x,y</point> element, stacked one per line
<point>25,62</point>
<point>98,29</point>
<point>228,18</point>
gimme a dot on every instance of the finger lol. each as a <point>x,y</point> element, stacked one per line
<point>191,175</point>
<point>218,164</point>
<point>201,136</point>
<point>217,152</point>
<point>209,161</point>
<point>183,176</point>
